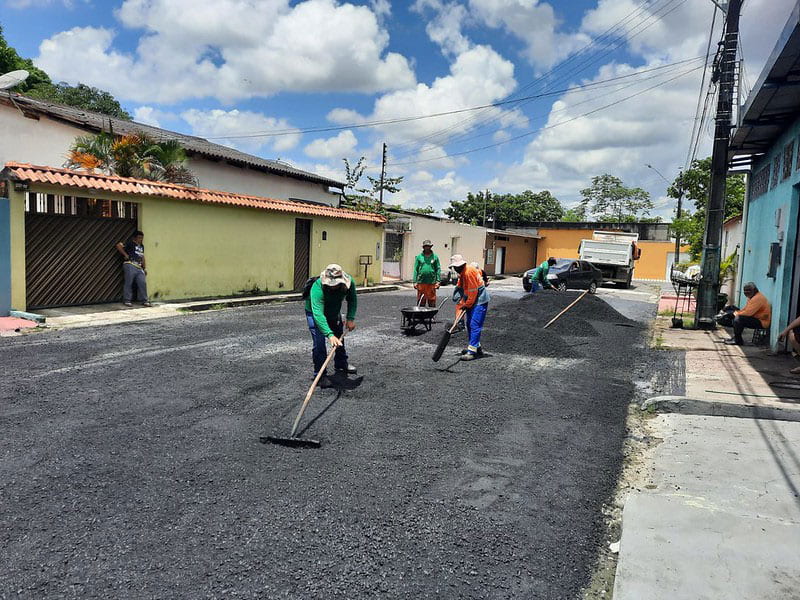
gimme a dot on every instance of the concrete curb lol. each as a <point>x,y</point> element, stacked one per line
<point>709,408</point>
<point>234,302</point>
<point>29,316</point>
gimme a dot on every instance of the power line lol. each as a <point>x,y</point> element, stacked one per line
<point>529,133</point>
<point>566,108</point>
<point>654,18</point>
<point>598,84</point>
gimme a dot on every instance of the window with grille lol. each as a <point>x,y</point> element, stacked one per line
<point>57,204</point>
<point>393,247</point>
<point>776,169</point>
<point>788,154</point>
<point>760,182</point>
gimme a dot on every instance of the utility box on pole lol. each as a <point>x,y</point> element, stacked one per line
<point>725,72</point>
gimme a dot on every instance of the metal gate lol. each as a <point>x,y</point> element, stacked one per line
<point>70,257</point>
<point>302,252</point>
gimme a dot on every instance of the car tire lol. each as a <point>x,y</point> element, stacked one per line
<point>526,284</point>
<point>562,286</point>
<point>593,287</point>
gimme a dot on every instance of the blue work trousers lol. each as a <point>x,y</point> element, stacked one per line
<point>319,351</point>
<point>474,321</point>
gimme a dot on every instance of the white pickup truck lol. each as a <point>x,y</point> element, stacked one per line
<point>614,253</point>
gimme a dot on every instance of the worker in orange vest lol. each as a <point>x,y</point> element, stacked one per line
<point>472,297</point>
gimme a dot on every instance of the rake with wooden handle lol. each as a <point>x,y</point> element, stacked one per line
<point>298,442</point>
<point>574,302</point>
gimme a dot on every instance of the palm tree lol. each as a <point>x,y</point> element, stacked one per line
<point>136,155</point>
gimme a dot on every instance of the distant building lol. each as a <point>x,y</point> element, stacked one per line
<point>563,239</point>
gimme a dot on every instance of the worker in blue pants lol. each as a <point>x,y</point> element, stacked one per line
<point>472,297</point>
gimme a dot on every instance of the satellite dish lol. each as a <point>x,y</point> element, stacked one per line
<point>9,80</point>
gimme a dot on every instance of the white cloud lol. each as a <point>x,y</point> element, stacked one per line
<point>534,23</point>
<point>230,50</point>
<point>340,146</point>
<point>150,116</point>
<point>478,77</point>
<point>218,124</point>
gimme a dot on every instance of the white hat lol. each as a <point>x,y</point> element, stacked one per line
<point>457,260</point>
<point>334,275</point>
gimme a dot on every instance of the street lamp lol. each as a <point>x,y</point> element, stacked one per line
<point>677,211</point>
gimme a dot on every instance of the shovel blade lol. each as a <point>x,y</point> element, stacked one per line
<point>442,345</point>
<point>292,442</point>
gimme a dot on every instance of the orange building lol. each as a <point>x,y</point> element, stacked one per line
<point>562,240</point>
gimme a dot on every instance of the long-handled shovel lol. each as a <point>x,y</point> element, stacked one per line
<point>446,337</point>
<point>297,442</point>
<point>574,302</point>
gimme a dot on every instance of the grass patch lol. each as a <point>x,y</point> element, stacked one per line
<point>219,306</point>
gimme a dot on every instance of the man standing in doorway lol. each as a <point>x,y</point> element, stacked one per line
<point>323,315</point>
<point>134,269</point>
<point>426,275</point>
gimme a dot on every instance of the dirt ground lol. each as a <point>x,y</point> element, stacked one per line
<point>131,465</point>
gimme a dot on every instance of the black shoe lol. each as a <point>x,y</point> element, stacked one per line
<point>350,370</point>
<point>732,342</point>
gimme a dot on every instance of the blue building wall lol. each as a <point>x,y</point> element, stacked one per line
<point>5,257</point>
<point>763,228</point>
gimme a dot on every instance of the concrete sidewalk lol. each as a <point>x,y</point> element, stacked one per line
<point>110,314</point>
<point>718,515</point>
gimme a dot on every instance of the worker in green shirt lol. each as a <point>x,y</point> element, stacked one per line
<point>323,314</point>
<point>426,275</point>
<point>539,278</point>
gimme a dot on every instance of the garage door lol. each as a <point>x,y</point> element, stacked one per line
<point>70,257</point>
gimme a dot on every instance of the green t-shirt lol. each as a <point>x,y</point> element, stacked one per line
<point>325,304</point>
<point>426,268</point>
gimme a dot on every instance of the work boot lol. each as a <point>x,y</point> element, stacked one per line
<point>349,370</point>
<point>325,382</point>
<point>468,356</point>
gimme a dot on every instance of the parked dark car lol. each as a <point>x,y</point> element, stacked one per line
<point>569,273</point>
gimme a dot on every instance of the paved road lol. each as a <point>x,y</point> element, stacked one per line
<point>130,464</point>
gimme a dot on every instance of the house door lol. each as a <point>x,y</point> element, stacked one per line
<point>70,257</point>
<point>302,252</point>
<point>500,260</point>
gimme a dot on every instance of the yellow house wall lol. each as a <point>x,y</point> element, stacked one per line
<point>200,250</point>
<point>196,250</point>
<point>564,243</point>
<point>17,201</point>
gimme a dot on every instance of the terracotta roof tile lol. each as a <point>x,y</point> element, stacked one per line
<point>141,187</point>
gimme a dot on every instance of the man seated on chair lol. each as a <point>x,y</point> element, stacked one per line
<point>755,314</point>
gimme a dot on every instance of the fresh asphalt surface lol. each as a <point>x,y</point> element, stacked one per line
<point>131,465</point>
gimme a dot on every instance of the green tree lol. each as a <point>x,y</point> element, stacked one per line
<point>608,199</point>
<point>366,198</point>
<point>501,209</point>
<point>39,85</point>
<point>81,96</point>
<point>576,214</point>
<point>694,184</point>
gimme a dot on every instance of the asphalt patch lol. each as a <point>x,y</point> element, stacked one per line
<point>131,463</point>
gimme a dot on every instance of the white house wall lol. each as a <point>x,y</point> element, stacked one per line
<point>471,241</point>
<point>47,141</point>
<point>222,176</point>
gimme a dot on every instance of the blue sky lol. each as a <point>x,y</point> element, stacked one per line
<point>608,85</point>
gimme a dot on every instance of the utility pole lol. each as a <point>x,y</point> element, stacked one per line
<point>485,200</point>
<point>383,173</point>
<point>725,73</point>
